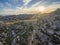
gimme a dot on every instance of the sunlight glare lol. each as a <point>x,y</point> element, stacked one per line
<point>41,8</point>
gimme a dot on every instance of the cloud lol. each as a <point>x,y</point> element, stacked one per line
<point>26,2</point>
<point>18,10</point>
<point>8,5</point>
<point>53,7</point>
<point>36,4</point>
<point>15,8</point>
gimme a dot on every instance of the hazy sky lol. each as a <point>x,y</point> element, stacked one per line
<point>26,6</point>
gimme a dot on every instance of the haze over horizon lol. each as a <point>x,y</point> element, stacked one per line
<point>28,6</point>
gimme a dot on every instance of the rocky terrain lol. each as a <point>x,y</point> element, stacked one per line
<point>48,29</point>
<point>43,31</point>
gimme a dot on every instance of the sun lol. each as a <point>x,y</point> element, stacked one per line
<point>41,8</point>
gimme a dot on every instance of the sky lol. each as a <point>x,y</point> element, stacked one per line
<point>27,6</point>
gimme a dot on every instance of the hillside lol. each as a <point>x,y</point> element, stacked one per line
<point>48,29</point>
<point>43,31</point>
<point>16,17</point>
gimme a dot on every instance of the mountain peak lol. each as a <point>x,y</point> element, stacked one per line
<point>57,11</point>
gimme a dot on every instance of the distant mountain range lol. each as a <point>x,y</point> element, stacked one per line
<point>57,11</point>
<point>23,16</point>
<point>16,17</point>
